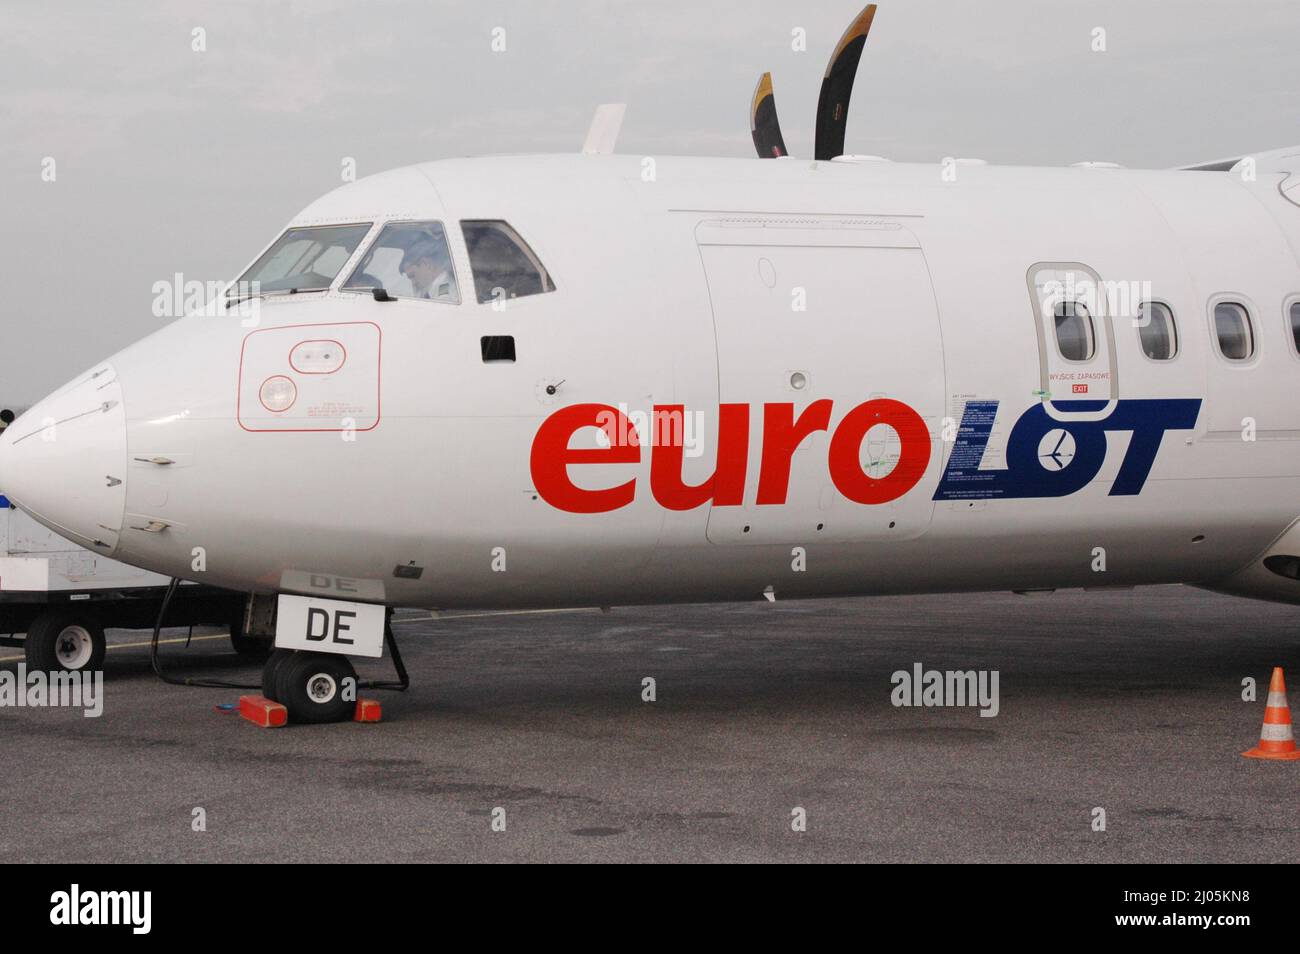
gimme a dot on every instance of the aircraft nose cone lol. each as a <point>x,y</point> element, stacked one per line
<point>64,461</point>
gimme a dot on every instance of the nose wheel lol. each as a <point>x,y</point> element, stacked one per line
<point>314,687</point>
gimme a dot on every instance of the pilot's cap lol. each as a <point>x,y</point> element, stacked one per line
<point>424,249</point>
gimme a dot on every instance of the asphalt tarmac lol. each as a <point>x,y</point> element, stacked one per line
<point>1128,701</point>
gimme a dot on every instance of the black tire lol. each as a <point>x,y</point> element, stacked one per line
<point>270,673</point>
<point>64,641</point>
<point>311,686</point>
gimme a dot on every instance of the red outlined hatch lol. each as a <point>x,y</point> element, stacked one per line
<point>322,377</point>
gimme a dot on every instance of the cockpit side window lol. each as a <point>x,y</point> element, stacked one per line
<point>503,264</point>
<point>305,259</point>
<point>408,260</point>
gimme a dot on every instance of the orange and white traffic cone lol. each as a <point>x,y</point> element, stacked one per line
<point>1275,738</point>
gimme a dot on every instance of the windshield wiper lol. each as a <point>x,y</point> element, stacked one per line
<point>236,301</point>
<point>273,291</point>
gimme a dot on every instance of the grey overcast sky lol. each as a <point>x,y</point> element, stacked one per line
<point>170,160</point>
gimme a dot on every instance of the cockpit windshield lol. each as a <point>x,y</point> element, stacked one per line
<point>409,260</point>
<point>305,259</point>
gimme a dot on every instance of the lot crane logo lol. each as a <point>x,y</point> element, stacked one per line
<point>1056,449</point>
<point>1049,454</point>
<point>93,908</point>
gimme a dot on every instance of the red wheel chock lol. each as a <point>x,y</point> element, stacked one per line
<point>261,711</point>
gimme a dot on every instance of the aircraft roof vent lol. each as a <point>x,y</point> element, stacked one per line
<point>853,157</point>
<point>1090,164</point>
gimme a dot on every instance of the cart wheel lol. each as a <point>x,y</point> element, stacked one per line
<point>63,641</point>
<point>312,687</point>
<point>270,673</point>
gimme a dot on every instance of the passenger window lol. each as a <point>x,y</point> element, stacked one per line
<point>408,260</point>
<point>1157,332</point>
<point>1295,324</point>
<point>305,259</point>
<point>503,264</point>
<point>1074,333</point>
<point>1233,330</point>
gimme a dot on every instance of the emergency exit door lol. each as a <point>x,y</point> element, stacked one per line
<point>1076,340</point>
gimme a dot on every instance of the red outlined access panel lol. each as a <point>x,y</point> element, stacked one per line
<point>333,375</point>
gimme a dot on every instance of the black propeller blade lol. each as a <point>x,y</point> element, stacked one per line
<point>763,123</point>
<point>837,86</point>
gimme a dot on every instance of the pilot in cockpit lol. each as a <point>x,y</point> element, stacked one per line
<point>428,267</point>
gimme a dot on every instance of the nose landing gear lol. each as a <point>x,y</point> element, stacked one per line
<point>322,687</point>
<point>314,687</point>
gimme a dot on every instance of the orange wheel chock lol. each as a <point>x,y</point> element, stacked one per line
<point>260,710</point>
<point>368,710</point>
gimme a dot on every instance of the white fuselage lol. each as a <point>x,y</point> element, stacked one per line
<point>762,287</point>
